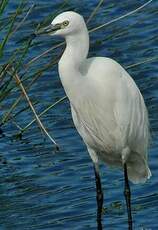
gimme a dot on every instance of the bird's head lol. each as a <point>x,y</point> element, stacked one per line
<point>67,23</point>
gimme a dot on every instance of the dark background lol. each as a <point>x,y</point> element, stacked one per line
<point>41,189</point>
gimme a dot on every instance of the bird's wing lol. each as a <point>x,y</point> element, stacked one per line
<point>93,108</point>
<point>110,112</point>
<point>131,114</point>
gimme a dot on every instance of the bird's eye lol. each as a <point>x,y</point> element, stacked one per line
<point>65,23</point>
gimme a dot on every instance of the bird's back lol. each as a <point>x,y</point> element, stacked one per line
<point>111,116</point>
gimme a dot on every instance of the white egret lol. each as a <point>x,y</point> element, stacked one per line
<point>107,107</point>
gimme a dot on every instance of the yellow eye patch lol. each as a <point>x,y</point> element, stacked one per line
<point>65,23</point>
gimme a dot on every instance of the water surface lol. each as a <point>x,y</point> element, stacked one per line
<point>41,189</point>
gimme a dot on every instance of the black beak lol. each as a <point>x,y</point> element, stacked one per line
<point>49,29</point>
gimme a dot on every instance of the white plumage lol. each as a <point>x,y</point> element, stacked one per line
<point>107,107</point>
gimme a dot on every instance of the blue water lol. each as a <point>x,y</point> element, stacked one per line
<point>43,189</point>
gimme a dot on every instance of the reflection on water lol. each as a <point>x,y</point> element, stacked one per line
<point>41,189</point>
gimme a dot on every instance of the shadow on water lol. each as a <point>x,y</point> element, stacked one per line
<point>41,189</point>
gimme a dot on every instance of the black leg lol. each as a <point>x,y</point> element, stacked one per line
<point>99,197</point>
<point>127,194</point>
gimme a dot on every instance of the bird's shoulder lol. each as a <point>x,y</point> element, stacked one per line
<point>102,69</point>
<point>101,61</point>
<point>107,71</point>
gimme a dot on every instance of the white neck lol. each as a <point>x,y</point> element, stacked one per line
<point>77,47</point>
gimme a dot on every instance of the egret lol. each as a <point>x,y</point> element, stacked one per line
<point>107,107</point>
